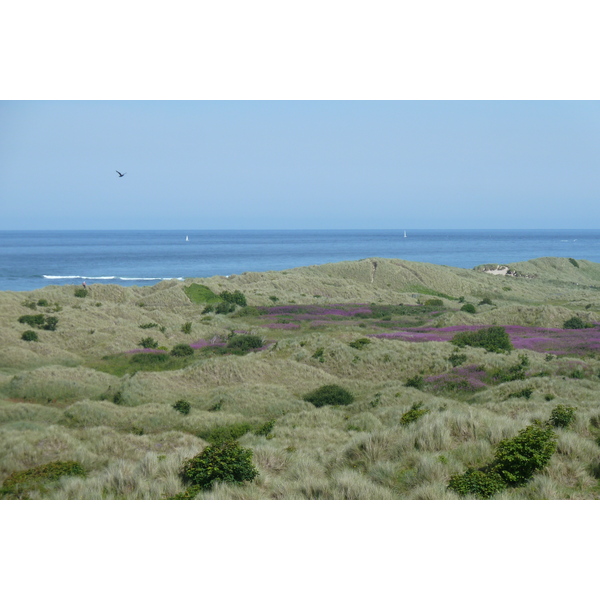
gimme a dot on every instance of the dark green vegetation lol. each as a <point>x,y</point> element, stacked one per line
<point>329,394</point>
<point>20,484</point>
<point>342,381</point>
<point>29,336</point>
<point>493,339</point>
<point>225,462</point>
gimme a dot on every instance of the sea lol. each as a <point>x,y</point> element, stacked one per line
<point>31,260</point>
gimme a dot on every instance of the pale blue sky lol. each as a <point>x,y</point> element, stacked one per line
<point>307,165</point>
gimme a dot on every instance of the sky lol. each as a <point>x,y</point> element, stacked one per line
<point>346,164</point>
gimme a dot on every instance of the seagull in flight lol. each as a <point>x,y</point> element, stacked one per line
<point>121,174</point>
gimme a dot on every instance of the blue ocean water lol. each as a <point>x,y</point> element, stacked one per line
<point>33,259</point>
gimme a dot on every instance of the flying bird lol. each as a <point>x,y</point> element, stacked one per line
<point>121,174</point>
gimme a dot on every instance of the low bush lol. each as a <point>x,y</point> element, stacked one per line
<point>245,343</point>
<point>468,308</point>
<point>186,327</point>
<point>118,398</point>
<point>360,343</point>
<point>148,325</point>
<point>225,433</point>
<point>149,343</point>
<point>20,483</point>
<point>81,293</point>
<point>150,358</point>
<point>33,320</point>
<point>457,359</point>
<point>319,354</point>
<point>481,484</point>
<point>265,429</point>
<point>522,393</point>
<point>50,324</point>
<point>518,458</point>
<point>492,339</point>
<point>416,412</point>
<point>331,394</point>
<point>416,382</point>
<point>575,323</point>
<point>486,300</point>
<point>234,298</point>
<point>574,262</point>
<point>182,350</point>
<point>43,302</point>
<point>227,462</point>
<point>248,311</point>
<point>29,336</point>
<point>224,308</point>
<point>562,416</point>
<point>182,406</point>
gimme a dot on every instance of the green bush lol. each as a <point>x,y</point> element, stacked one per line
<point>186,327</point>
<point>468,308</point>
<point>416,412</point>
<point>182,406</point>
<point>33,320</point>
<point>457,359</point>
<point>248,311</point>
<point>227,462</point>
<point>562,416</point>
<point>518,458</point>
<point>19,483</point>
<point>486,300</point>
<point>29,336</point>
<point>149,343</point>
<point>575,323</point>
<point>225,433</point>
<point>492,339</point>
<point>481,484</point>
<point>265,429</point>
<point>43,302</point>
<point>319,354</point>
<point>415,382</point>
<point>574,262</point>
<point>234,298</point>
<point>150,358</point>
<point>50,324</point>
<point>182,350</point>
<point>331,394</point>
<point>118,398</point>
<point>148,325</point>
<point>360,343</point>
<point>245,343</point>
<point>81,293</point>
<point>224,308</point>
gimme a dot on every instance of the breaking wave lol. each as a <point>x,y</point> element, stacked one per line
<point>110,277</point>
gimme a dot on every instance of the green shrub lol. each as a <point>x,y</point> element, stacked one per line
<point>415,382</point>
<point>245,343</point>
<point>148,325</point>
<point>518,458</point>
<point>224,308</point>
<point>522,393</point>
<point>575,323</point>
<point>186,327</point>
<point>50,324</point>
<point>275,299</point>
<point>248,311</point>
<point>227,462</point>
<point>182,350</point>
<point>360,343</point>
<point>149,343</point>
<point>234,298</point>
<point>225,433</point>
<point>33,320</point>
<point>562,416</point>
<point>574,262</point>
<point>81,293</point>
<point>415,412</point>
<point>43,302</point>
<point>486,300</point>
<point>331,394</point>
<point>118,398</point>
<point>434,302</point>
<point>208,309</point>
<point>265,429</point>
<point>149,359</point>
<point>492,339</point>
<point>481,484</point>
<point>468,308</point>
<point>29,336</point>
<point>182,406</point>
<point>319,354</point>
<point>19,483</point>
<point>457,359</point>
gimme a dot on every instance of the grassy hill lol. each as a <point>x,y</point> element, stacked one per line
<point>424,410</point>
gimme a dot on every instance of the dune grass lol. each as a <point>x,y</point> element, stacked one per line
<point>86,393</point>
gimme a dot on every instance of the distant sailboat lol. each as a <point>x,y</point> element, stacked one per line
<point>405,233</point>
<point>187,239</point>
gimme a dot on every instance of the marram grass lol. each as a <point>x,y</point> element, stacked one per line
<point>63,401</point>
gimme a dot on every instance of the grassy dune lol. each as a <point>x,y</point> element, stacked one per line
<point>88,392</point>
